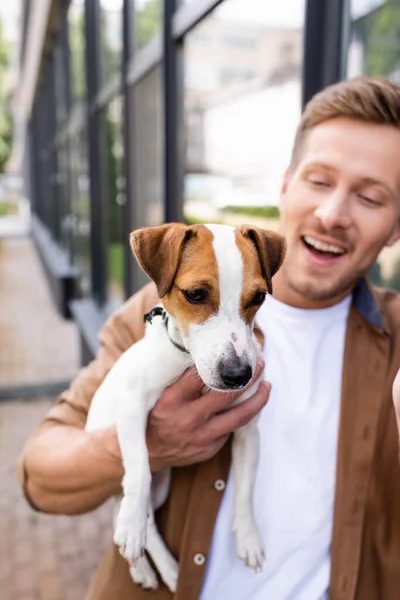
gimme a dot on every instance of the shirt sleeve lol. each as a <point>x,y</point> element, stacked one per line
<point>122,329</point>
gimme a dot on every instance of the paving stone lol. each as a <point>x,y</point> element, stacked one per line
<point>37,344</point>
<point>42,557</point>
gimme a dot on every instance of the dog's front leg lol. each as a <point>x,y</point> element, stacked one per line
<point>130,531</point>
<point>245,448</point>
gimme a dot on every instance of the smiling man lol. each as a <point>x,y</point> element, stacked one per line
<point>327,492</point>
<point>340,198</point>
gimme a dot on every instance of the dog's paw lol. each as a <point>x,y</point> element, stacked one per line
<point>169,572</point>
<point>130,530</point>
<point>143,574</point>
<point>249,545</point>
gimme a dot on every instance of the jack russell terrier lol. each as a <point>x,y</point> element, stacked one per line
<point>211,280</point>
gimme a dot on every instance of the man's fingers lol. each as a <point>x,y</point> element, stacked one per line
<point>396,398</point>
<point>396,391</point>
<point>187,388</point>
<point>241,414</point>
<point>259,369</point>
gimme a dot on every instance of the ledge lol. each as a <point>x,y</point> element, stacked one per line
<point>61,275</point>
<point>89,319</point>
<point>34,390</point>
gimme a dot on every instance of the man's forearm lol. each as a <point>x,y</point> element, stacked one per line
<point>70,471</point>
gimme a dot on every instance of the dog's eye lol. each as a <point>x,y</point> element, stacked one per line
<point>195,296</point>
<point>258,299</point>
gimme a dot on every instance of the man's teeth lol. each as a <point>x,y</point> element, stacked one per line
<point>322,246</point>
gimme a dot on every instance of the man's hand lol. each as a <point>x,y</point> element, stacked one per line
<point>396,398</point>
<point>186,427</point>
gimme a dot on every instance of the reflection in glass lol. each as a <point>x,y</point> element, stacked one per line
<point>62,179</point>
<point>76,42</point>
<point>374,50</point>
<point>147,180</point>
<point>80,203</point>
<point>148,20</point>
<point>147,153</point>
<point>60,85</point>
<point>374,43</point>
<point>116,198</point>
<point>242,100</point>
<point>111,38</point>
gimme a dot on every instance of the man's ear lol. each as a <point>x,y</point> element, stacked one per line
<point>285,181</point>
<point>158,251</point>
<point>395,236</point>
<point>270,247</point>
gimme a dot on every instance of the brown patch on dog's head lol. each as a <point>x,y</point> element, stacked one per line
<point>262,252</point>
<point>158,251</point>
<point>180,259</point>
<point>270,247</point>
<point>198,270</point>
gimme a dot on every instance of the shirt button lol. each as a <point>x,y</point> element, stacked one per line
<point>219,485</point>
<point>199,559</point>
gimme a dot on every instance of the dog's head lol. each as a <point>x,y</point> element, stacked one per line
<point>212,279</point>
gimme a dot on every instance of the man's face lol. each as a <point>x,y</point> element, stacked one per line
<point>339,206</point>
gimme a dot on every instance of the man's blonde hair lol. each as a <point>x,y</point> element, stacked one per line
<point>368,99</point>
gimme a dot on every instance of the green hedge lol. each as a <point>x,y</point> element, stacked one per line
<point>7,209</point>
<point>192,220</point>
<point>267,212</point>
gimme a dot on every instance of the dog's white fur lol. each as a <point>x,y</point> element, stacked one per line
<point>132,388</point>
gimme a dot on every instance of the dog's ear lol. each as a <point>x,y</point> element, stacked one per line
<point>158,251</point>
<point>270,248</point>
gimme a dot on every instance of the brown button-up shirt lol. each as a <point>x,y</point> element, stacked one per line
<point>365,551</point>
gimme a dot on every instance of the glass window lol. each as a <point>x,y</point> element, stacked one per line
<point>111,35</point>
<point>147,152</point>
<point>375,31</point>
<point>116,199</point>
<point>242,103</point>
<point>80,218</point>
<point>77,48</point>
<point>63,183</point>
<point>61,94</point>
<point>374,50</point>
<point>148,20</point>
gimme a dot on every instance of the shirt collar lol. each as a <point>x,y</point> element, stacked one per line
<point>364,302</point>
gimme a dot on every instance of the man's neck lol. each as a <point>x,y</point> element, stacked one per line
<point>283,292</point>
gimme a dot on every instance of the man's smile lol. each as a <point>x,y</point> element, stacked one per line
<point>323,252</point>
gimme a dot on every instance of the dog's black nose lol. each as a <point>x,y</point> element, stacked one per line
<point>234,375</point>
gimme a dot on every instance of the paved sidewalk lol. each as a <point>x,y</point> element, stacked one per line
<point>42,557</point>
<point>36,344</point>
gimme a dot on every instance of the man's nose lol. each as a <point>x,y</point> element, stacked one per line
<point>334,210</point>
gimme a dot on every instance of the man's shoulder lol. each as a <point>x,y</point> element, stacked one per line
<point>127,321</point>
<point>143,300</point>
<point>388,302</point>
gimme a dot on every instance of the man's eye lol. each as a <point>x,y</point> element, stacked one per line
<point>257,299</point>
<point>319,182</point>
<point>195,296</point>
<point>370,200</point>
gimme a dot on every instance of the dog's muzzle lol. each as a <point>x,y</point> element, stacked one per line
<point>234,373</point>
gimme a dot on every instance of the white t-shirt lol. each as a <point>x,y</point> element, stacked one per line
<point>295,484</point>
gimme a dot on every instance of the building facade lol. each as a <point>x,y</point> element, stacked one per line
<point>136,112</point>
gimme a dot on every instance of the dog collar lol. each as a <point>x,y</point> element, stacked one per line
<point>158,311</point>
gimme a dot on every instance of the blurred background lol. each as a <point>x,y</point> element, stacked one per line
<point>120,114</point>
<point>116,114</point>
